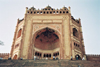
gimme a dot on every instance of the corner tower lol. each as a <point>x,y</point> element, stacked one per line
<point>46,33</point>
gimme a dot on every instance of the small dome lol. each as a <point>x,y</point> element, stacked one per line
<point>48,6</point>
<point>32,8</point>
<point>65,8</point>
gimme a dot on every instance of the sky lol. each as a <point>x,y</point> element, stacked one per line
<point>87,10</point>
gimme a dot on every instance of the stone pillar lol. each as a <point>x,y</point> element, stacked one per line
<point>42,55</point>
<point>52,55</point>
<point>26,10</point>
<point>69,9</point>
<point>73,54</point>
<point>27,47</point>
<point>14,39</point>
<point>67,35</point>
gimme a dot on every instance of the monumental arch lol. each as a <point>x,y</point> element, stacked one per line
<point>48,32</point>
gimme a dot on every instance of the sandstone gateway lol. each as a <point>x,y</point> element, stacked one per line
<point>46,33</point>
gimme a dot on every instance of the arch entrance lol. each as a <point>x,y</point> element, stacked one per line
<point>78,57</point>
<point>15,57</point>
<point>47,43</point>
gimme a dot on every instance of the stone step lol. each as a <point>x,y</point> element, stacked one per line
<point>48,63</point>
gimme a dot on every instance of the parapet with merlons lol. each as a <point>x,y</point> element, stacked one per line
<point>4,55</point>
<point>49,10</point>
<point>91,57</point>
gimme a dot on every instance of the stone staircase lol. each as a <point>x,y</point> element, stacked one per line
<point>48,63</point>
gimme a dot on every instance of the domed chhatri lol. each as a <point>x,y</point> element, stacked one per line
<point>64,8</point>
<point>48,6</point>
<point>32,8</point>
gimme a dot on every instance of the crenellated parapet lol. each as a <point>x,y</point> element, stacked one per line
<point>47,10</point>
<point>4,55</point>
<point>93,57</point>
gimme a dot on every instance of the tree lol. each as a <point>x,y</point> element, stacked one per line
<point>1,43</point>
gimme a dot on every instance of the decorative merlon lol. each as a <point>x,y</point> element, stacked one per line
<point>47,10</point>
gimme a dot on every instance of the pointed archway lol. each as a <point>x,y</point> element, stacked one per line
<point>47,42</point>
<point>78,57</point>
<point>15,57</point>
<point>46,39</point>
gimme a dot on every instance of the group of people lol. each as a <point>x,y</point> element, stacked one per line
<point>11,58</point>
<point>54,58</point>
<point>1,58</point>
<point>77,58</point>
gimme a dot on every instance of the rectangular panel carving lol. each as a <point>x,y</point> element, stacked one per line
<point>47,21</point>
<point>57,21</point>
<point>37,21</point>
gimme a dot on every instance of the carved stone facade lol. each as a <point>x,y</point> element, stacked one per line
<point>46,33</point>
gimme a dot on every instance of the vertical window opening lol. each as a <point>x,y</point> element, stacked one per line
<point>19,33</point>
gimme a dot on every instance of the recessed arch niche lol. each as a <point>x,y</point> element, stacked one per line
<point>15,57</point>
<point>75,32</point>
<point>46,39</point>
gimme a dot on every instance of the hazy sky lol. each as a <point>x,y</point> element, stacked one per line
<point>87,10</point>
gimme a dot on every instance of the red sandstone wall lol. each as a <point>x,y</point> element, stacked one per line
<point>93,57</point>
<point>4,55</point>
<point>46,46</point>
<point>45,43</point>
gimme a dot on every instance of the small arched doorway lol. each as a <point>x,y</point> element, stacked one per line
<point>77,57</point>
<point>15,57</point>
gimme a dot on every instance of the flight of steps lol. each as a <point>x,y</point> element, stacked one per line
<point>48,63</point>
